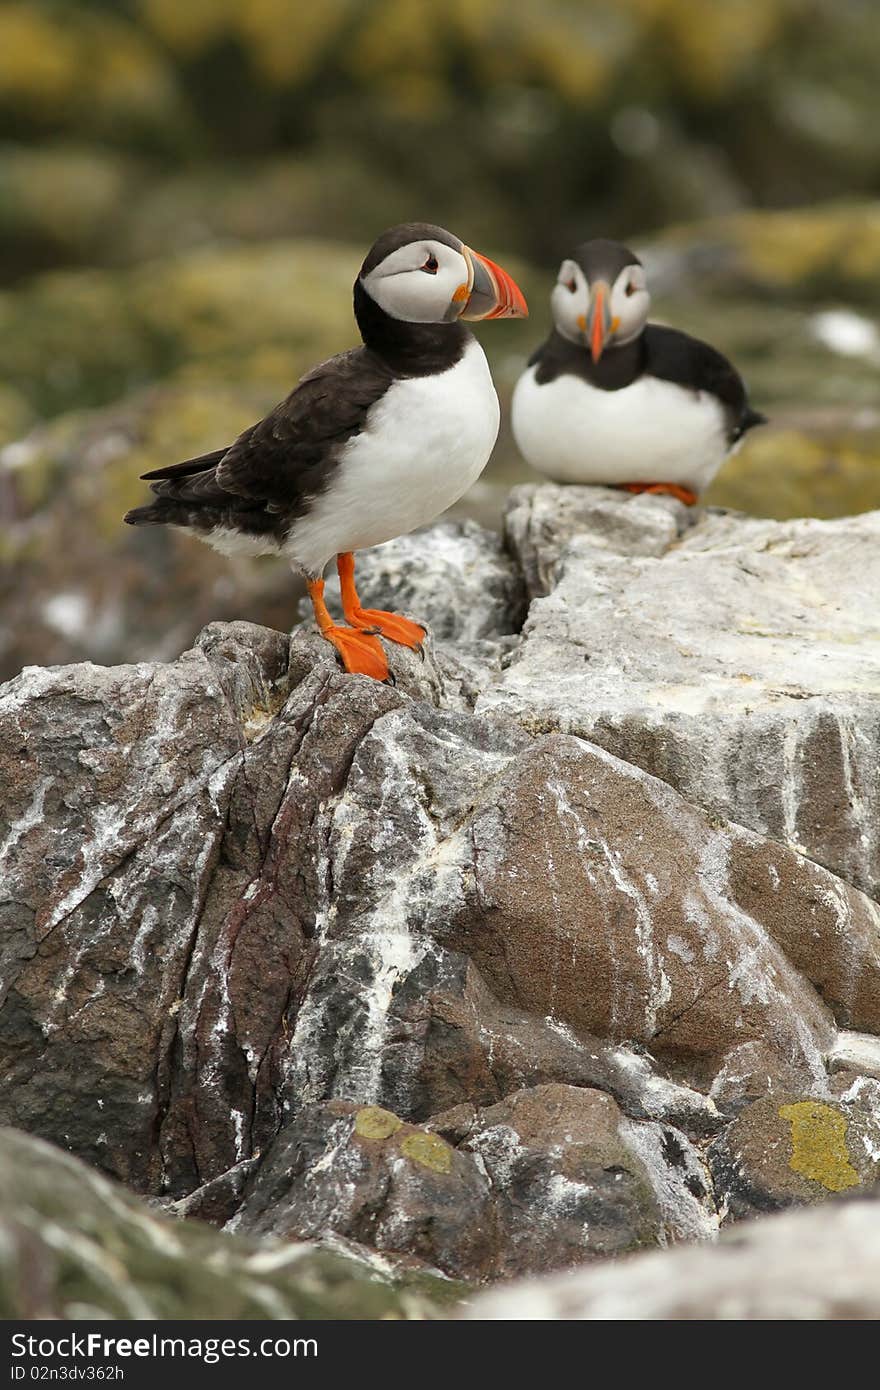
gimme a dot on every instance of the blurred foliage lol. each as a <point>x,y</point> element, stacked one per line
<point>530,125</point>
<point>810,468</point>
<point>801,255</point>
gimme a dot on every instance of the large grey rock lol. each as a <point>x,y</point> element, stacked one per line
<point>75,1246</point>
<point>360,1172</point>
<point>739,661</point>
<point>549,1176</point>
<point>818,1265</point>
<point>541,522</point>
<point>574,1179</point>
<point>247,896</point>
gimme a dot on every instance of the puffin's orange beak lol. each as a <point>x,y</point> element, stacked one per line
<point>599,319</point>
<point>492,293</point>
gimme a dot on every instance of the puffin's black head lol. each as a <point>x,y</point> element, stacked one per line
<point>419,273</point>
<point>601,298</point>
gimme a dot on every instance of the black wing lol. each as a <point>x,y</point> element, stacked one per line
<point>677,357</point>
<point>265,479</point>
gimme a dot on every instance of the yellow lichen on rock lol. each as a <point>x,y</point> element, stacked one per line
<point>818,1144</point>
<point>429,1150</point>
<point>375,1123</point>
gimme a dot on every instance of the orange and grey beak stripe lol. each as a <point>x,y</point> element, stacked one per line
<point>598,325</point>
<point>491,293</point>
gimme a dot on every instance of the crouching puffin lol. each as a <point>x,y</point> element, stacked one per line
<point>610,398</point>
<point>370,444</point>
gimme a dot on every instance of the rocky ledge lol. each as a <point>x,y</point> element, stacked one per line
<point>565,944</point>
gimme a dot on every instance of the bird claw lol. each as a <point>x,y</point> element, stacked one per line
<point>361,653</point>
<point>392,626</point>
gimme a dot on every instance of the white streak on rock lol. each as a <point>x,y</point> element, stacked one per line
<point>31,817</point>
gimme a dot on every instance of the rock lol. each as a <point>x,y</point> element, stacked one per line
<point>360,1172</point>
<point>549,1176</point>
<point>541,522</point>
<point>739,665</point>
<point>751,1071</point>
<point>574,1180</point>
<point>123,785</point>
<point>75,1246</point>
<point>248,899</point>
<point>457,1045</point>
<point>816,1265</point>
<point>789,1151</point>
<point>639,889</point>
<point>855,1052</point>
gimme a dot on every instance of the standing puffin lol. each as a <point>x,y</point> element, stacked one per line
<point>370,444</point>
<point>610,398</point>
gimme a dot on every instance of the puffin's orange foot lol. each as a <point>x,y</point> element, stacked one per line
<point>361,653</point>
<point>391,625</point>
<point>684,494</point>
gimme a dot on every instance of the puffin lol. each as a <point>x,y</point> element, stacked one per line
<point>612,399</point>
<point>371,444</point>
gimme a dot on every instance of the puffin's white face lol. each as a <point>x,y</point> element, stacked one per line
<point>598,315</point>
<point>419,282</point>
<point>428,281</point>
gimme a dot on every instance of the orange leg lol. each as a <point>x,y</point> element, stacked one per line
<point>361,653</point>
<point>391,625</point>
<point>684,494</point>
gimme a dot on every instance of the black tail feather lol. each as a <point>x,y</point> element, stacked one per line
<point>162,513</point>
<point>142,516</point>
<point>153,514</point>
<point>189,466</point>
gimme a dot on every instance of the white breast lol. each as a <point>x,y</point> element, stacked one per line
<point>426,441</point>
<point>651,431</point>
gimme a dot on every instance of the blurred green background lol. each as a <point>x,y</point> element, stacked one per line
<point>187,188</point>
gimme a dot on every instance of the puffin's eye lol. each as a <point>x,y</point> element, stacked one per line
<point>631,289</point>
<point>571,285</point>
<point>431,266</point>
